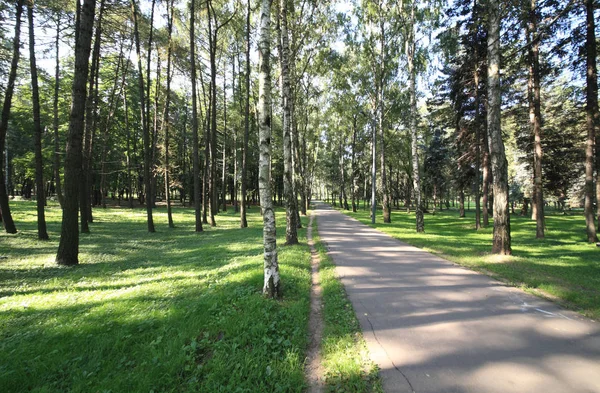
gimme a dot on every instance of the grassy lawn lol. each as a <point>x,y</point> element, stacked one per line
<point>563,266</point>
<point>172,311</point>
<point>345,358</point>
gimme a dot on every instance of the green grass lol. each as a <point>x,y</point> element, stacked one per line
<point>563,266</point>
<point>345,358</point>
<point>172,311</point>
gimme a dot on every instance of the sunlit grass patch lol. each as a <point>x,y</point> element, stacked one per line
<point>169,311</point>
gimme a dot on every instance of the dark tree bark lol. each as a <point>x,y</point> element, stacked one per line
<point>68,248</point>
<point>592,122</point>
<point>57,150</point>
<point>85,203</point>
<point>196,154</point>
<point>40,195</point>
<point>535,115</point>
<point>212,40</point>
<point>166,122</point>
<point>499,164</point>
<point>151,190</point>
<point>244,180</point>
<point>291,231</point>
<point>144,118</point>
<point>5,215</point>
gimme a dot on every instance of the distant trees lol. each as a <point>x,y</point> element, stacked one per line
<point>396,103</point>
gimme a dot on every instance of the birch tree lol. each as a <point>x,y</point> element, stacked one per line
<point>271,287</point>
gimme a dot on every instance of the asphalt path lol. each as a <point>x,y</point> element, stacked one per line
<point>433,326</point>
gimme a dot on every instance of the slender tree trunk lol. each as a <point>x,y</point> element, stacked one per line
<point>272,282</point>
<point>40,196</point>
<point>144,118</point>
<point>420,222</point>
<point>150,188</point>
<point>212,39</point>
<point>461,203</point>
<point>244,180</point>
<point>291,232</point>
<point>486,180</point>
<point>128,147</point>
<point>196,153</point>
<point>86,178</point>
<point>373,173</point>
<point>166,121</point>
<point>535,117</point>
<point>57,149</point>
<point>353,164</point>
<point>592,122</point>
<point>501,243</point>
<point>68,248</point>
<point>477,141</point>
<point>224,153</point>
<point>5,215</point>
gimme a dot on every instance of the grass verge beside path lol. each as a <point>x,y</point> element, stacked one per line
<point>173,311</point>
<point>562,267</point>
<point>345,358</point>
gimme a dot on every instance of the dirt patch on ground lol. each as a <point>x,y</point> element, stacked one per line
<point>314,370</point>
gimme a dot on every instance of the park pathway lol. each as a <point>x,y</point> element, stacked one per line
<point>432,326</point>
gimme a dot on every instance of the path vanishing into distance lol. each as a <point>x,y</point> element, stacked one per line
<point>433,326</point>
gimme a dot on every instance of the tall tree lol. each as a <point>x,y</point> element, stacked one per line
<point>535,117</point>
<point>37,125</point>
<point>499,164</point>
<point>5,215</point>
<point>56,155</point>
<point>244,179</point>
<point>195,153</point>
<point>272,282</point>
<point>68,248</point>
<point>291,232</point>
<point>144,118</point>
<point>411,52</point>
<point>166,121</point>
<point>592,122</point>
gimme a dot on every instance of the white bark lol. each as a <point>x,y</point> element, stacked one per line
<point>271,287</point>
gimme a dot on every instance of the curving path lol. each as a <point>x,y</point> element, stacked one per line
<point>432,326</point>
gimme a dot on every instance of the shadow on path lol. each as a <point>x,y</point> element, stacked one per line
<point>432,326</point>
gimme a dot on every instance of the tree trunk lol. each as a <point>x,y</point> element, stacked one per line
<point>272,284</point>
<point>195,152</point>
<point>166,122</point>
<point>461,204</point>
<point>535,117</point>
<point>420,222</point>
<point>148,154</point>
<point>477,140</point>
<point>244,179</point>
<point>212,39</point>
<point>68,248</point>
<point>291,230</point>
<point>592,122</point>
<point>499,164</point>
<point>5,215</point>
<point>224,152</point>
<point>144,118</point>
<point>57,149</point>
<point>86,178</point>
<point>40,195</point>
<point>353,164</point>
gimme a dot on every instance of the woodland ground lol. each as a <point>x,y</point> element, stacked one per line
<point>170,311</point>
<point>562,267</point>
